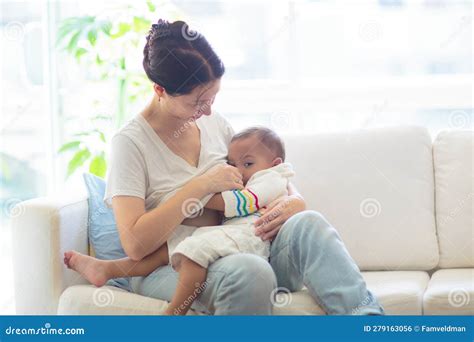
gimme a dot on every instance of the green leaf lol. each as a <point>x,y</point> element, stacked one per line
<point>98,166</point>
<point>151,6</point>
<point>72,145</point>
<point>73,27</point>
<point>80,52</point>
<point>91,132</point>
<point>5,171</point>
<point>77,161</point>
<point>102,136</point>
<point>98,60</point>
<point>106,26</point>
<point>66,28</point>
<point>141,24</point>
<point>123,63</point>
<point>72,45</point>
<point>92,36</point>
<point>123,28</point>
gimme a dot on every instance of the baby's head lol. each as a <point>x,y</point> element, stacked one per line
<point>255,149</point>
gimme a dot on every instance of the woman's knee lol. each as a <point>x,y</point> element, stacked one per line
<point>245,285</point>
<point>249,270</point>
<point>307,228</point>
<point>308,220</point>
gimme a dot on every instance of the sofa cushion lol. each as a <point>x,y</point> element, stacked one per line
<point>376,187</point>
<point>450,292</point>
<point>453,154</point>
<point>103,233</point>
<point>107,300</point>
<point>400,293</point>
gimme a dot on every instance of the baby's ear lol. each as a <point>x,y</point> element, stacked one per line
<point>277,161</point>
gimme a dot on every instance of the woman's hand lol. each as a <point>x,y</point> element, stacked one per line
<point>276,214</point>
<point>222,177</point>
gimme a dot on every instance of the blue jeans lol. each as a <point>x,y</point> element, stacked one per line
<point>307,251</point>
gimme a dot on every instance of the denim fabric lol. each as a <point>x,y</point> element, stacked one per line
<point>307,251</point>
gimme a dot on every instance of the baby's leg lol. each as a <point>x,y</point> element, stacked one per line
<point>204,247</point>
<point>98,272</point>
<point>191,278</point>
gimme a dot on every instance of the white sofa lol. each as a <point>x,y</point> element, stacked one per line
<point>402,204</point>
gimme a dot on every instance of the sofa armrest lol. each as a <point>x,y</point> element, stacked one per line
<point>41,232</point>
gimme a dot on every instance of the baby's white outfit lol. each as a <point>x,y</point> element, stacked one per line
<point>237,234</point>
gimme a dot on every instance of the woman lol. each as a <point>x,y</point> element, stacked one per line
<point>168,161</point>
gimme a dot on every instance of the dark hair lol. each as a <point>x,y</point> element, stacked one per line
<point>267,137</point>
<point>179,59</point>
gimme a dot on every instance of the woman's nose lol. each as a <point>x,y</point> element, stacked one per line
<point>208,106</point>
<point>206,110</point>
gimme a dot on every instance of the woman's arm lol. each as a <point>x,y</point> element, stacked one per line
<point>141,232</point>
<point>268,226</point>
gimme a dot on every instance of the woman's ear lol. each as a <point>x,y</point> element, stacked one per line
<point>277,161</point>
<point>159,90</point>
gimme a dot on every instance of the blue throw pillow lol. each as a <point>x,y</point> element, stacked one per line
<point>103,233</point>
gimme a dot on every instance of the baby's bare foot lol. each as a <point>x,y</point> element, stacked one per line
<point>94,270</point>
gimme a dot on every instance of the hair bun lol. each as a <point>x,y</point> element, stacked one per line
<point>160,29</point>
<point>182,29</point>
<point>195,63</point>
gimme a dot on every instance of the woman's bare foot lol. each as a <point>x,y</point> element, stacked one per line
<point>94,270</point>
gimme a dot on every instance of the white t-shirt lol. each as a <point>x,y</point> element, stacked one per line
<point>143,166</point>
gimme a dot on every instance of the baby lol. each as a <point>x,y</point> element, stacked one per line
<point>259,155</point>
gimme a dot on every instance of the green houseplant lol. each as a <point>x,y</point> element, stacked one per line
<point>103,42</point>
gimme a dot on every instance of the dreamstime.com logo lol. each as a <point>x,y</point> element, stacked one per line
<point>103,297</point>
<point>46,330</point>
<point>370,207</point>
<point>13,208</point>
<point>188,33</point>
<point>458,297</point>
<point>281,120</point>
<point>14,31</point>
<point>281,297</point>
<point>370,31</point>
<point>460,119</point>
<point>192,208</point>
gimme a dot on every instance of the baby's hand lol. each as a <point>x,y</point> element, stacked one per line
<point>222,177</point>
